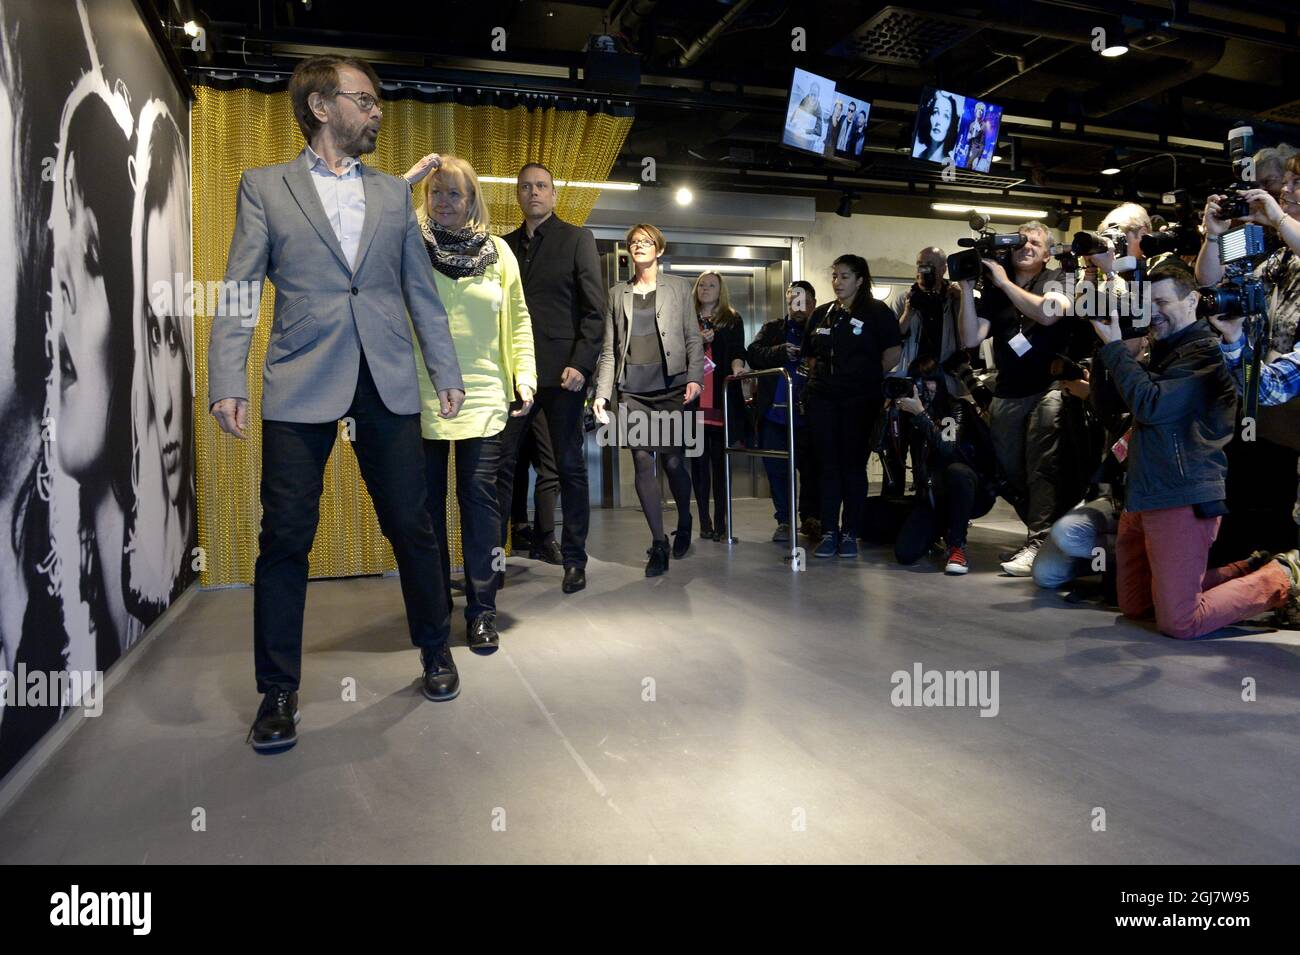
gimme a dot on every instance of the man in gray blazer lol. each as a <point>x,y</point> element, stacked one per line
<point>341,243</point>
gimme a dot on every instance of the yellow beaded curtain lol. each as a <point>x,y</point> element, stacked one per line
<point>238,129</point>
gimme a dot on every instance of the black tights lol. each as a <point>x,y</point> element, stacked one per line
<point>647,488</point>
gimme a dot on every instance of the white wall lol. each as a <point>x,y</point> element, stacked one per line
<point>888,243</point>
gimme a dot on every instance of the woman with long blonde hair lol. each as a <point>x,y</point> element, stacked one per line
<point>723,333</point>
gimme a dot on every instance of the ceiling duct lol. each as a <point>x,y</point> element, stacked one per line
<point>902,37</point>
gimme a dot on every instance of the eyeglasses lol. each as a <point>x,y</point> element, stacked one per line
<point>640,243</point>
<point>365,102</point>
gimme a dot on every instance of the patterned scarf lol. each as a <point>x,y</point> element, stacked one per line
<point>460,253</point>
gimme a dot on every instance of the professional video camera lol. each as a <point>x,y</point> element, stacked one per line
<point>1241,149</point>
<point>1178,238</point>
<point>1240,294</point>
<point>989,245</point>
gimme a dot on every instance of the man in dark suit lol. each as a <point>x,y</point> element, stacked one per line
<point>566,299</point>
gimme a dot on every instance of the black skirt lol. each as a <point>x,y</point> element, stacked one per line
<point>656,422</point>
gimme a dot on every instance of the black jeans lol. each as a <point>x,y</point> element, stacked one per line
<point>477,462</point>
<point>562,411</point>
<point>388,450</point>
<point>841,431</point>
<point>959,499</point>
<point>709,470</point>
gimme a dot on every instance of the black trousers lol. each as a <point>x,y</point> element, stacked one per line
<point>562,413</point>
<point>959,499</point>
<point>477,464</point>
<point>388,450</point>
<point>841,432</point>
<point>708,472</point>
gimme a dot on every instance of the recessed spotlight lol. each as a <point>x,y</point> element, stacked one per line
<point>684,196</point>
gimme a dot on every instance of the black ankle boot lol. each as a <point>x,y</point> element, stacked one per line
<point>682,539</point>
<point>658,562</point>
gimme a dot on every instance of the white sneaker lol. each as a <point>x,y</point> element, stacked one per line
<point>1022,564</point>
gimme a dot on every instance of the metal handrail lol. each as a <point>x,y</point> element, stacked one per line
<point>728,451</point>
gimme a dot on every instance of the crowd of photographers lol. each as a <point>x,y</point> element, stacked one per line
<point>1129,395</point>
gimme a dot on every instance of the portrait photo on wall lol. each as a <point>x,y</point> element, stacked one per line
<point>97,499</point>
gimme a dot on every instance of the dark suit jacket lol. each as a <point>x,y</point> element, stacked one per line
<point>565,295</point>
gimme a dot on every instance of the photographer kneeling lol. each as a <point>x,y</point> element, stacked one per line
<point>953,463</point>
<point>1183,405</point>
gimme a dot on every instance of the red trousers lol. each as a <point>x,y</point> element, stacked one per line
<point>1161,558</point>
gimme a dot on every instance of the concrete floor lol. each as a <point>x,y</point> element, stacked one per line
<point>771,736</point>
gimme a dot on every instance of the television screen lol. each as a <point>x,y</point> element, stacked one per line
<point>955,129</point>
<point>848,128</point>
<point>808,112</point>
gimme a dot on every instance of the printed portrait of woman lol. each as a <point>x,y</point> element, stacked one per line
<point>89,398</point>
<point>161,526</point>
<point>936,127</point>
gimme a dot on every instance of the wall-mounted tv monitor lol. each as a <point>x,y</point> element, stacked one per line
<point>823,121</point>
<point>956,130</point>
<point>808,112</point>
<point>848,128</point>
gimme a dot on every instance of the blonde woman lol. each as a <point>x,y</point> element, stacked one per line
<point>723,333</point>
<point>480,285</point>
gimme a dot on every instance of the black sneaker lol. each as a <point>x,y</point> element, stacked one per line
<point>441,679</point>
<point>658,562</point>
<point>481,637</point>
<point>274,729</point>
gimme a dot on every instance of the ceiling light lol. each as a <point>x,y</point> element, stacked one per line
<point>998,212</point>
<point>191,28</point>
<point>571,183</point>
<point>684,196</point>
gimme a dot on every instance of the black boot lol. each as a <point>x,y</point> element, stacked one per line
<point>658,562</point>
<point>706,529</point>
<point>441,680</point>
<point>682,539</point>
<point>273,729</point>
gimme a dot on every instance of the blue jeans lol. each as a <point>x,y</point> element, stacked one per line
<point>1069,549</point>
<point>774,437</point>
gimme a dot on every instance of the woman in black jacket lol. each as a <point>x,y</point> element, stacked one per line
<point>850,344</point>
<point>723,333</point>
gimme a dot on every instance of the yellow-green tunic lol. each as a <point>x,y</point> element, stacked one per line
<point>493,334</point>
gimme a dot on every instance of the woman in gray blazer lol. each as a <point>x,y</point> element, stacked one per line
<point>653,354</point>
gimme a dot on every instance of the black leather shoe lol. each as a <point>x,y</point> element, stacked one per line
<point>706,531</point>
<point>682,540</point>
<point>273,730</point>
<point>441,680</point>
<point>482,634</point>
<point>575,578</point>
<point>658,562</point>
<point>549,552</point>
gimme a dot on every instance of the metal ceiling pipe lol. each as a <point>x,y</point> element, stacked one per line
<point>710,36</point>
<point>633,14</point>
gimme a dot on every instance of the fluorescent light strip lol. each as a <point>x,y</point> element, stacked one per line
<point>575,183</point>
<point>713,267</point>
<point>1007,211</point>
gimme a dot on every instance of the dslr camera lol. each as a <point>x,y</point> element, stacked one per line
<point>1241,147</point>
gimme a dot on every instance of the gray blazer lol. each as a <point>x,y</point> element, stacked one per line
<point>679,332</point>
<point>325,312</point>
